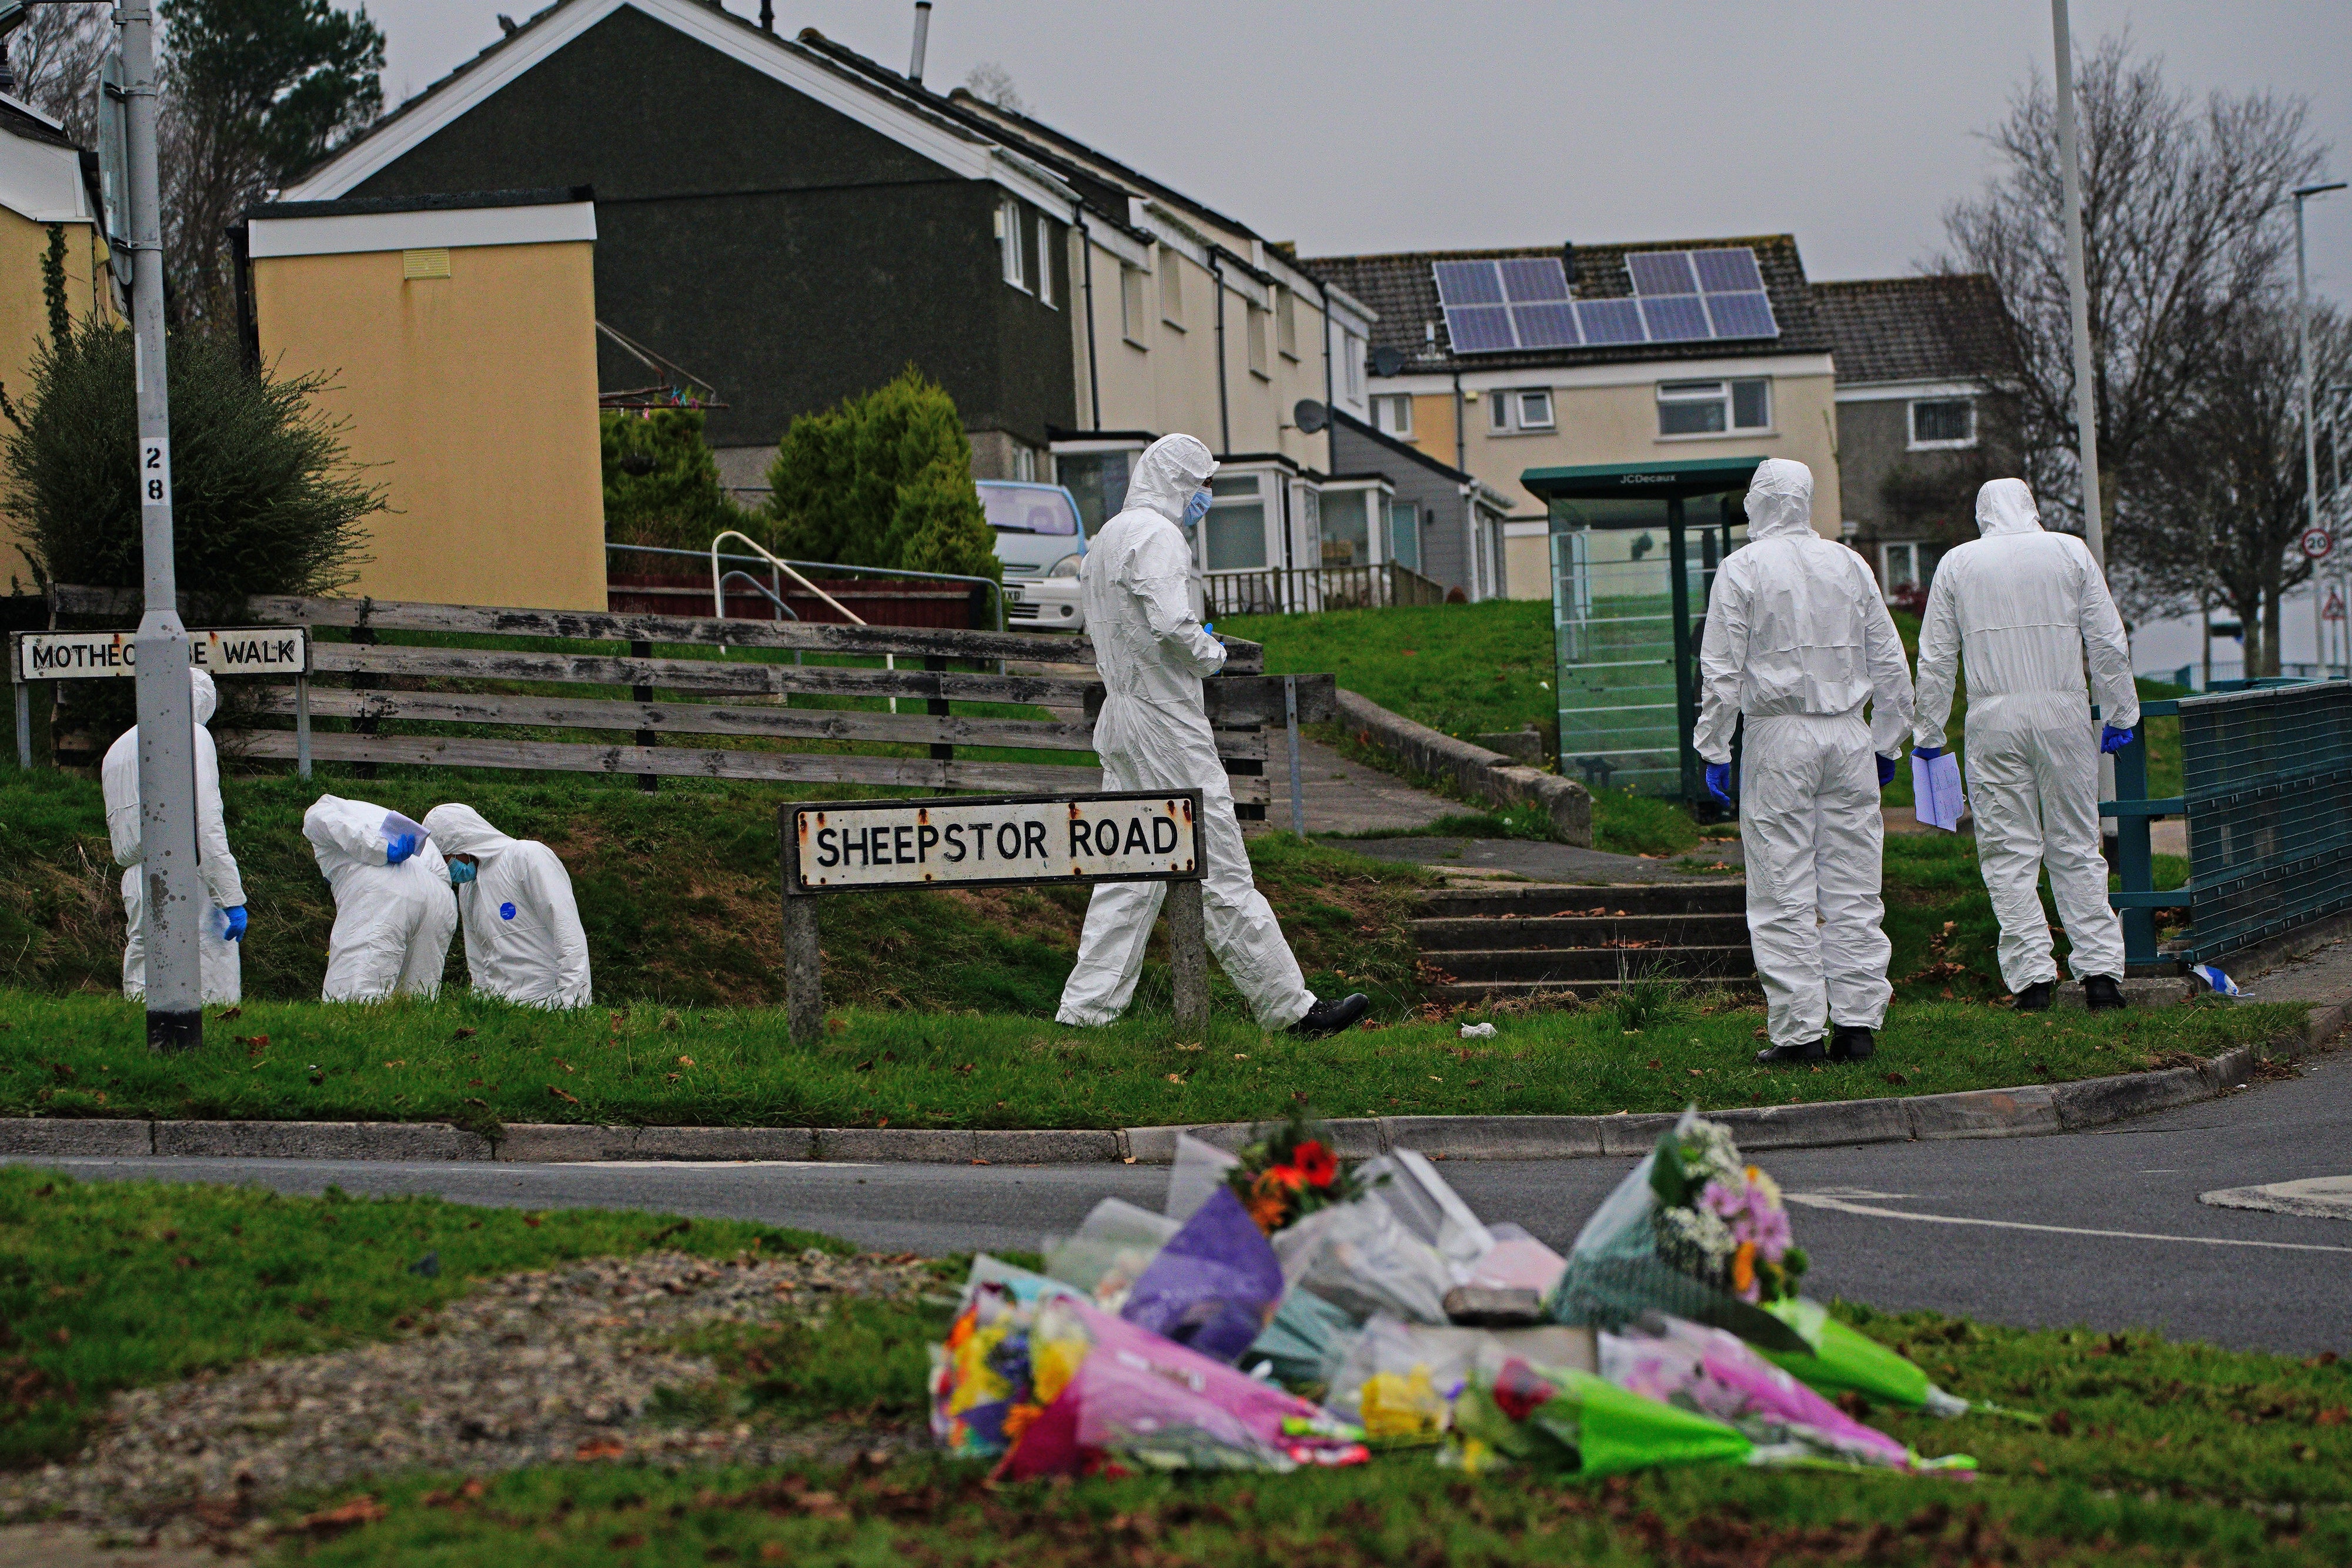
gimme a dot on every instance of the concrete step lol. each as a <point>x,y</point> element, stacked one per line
<point>1582,931</point>
<point>1472,992</point>
<point>1611,964</point>
<point>1526,900</point>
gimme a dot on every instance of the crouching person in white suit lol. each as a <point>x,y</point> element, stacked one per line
<point>524,942</point>
<point>393,910</point>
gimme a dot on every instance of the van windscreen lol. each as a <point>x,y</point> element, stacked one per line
<point>1028,510</point>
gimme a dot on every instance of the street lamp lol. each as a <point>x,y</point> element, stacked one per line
<point>2310,433</point>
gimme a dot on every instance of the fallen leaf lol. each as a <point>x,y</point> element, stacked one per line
<point>485,1104</point>
<point>669,1077</point>
<point>1241,1056</point>
<point>686,1062</point>
<point>1434,1079</point>
<point>229,1013</point>
<point>1175,1078</point>
<point>559,1094</point>
<point>531,1220</point>
<point>401,1062</point>
<point>1655,1064</point>
<point>466,1034</point>
<point>1695,1071</point>
<point>347,1516</point>
<point>1896,1078</point>
<point>600,1448</point>
<point>2059,1424</point>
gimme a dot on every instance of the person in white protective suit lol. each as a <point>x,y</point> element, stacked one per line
<point>2022,606</point>
<point>524,941</point>
<point>1153,733</point>
<point>219,970</point>
<point>393,910</point>
<point>1797,641</point>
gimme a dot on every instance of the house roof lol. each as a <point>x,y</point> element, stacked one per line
<point>1941,328</point>
<point>1403,290</point>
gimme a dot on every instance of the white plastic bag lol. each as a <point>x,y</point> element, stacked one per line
<point>1199,1171</point>
<point>1399,1379</point>
<point>1427,1206</point>
<point>1358,1257</point>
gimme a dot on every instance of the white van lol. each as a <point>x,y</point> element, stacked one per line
<point>1041,540</point>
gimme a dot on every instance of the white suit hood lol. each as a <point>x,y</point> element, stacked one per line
<point>1779,500</point>
<point>2006,507</point>
<point>1170,469</point>
<point>206,695</point>
<point>524,941</point>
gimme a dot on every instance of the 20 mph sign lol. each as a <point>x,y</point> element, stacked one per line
<point>2318,543</point>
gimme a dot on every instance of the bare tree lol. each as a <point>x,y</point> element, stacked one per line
<point>55,56</point>
<point>2224,506</point>
<point>991,83</point>
<point>2185,228</point>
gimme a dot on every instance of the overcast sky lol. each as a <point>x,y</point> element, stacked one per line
<point>1363,125</point>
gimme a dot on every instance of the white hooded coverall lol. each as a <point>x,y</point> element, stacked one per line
<point>1153,733</point>
<point>1798,639</point>
<point>219,971</point>
<point>2023,605</point>
<point>524,941</point>
<point>393,922</point>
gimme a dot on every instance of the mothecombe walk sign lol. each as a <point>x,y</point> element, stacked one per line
<point>990,840</point>
<point>234,651</point>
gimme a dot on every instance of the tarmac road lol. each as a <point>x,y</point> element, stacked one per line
<point>2100,1228</point>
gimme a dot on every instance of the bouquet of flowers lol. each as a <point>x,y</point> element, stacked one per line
<point>1290,1174</point>
<point>1719,1221</point>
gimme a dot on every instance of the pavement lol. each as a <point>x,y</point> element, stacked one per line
<point>2101,1228</point>
<point>1342,795</point>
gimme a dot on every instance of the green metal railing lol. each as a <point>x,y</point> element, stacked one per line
<point>2265,772</point>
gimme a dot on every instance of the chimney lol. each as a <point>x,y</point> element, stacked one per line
<point>766,15</point>
<point>922,37</point>
<point>1568,263</point>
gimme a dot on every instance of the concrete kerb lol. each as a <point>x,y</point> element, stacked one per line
<point>2025,1110</point>
<point>1488,777</point>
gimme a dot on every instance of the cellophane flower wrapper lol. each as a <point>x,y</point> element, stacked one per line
<point>1199,1170</point>
<point>1360,1258</point>
<point>1306,1344</point>
<point>982,1381</point>
<point>1428,1207</point>
<point>1110,1250</point>
<point>1400,1380</point>
<point>1561,1421</point>
<point>1120,1394</point>
<point>1214,1285</point>
<point>1838,1359</point>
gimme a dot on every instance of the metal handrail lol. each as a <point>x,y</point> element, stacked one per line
<point>718,597</point>
<point>994,587</point>
<point>761,588</point>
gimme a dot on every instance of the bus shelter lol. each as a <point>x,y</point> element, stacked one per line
<point>1635,549</point>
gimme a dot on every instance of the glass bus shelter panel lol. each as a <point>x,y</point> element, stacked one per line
<point>1613,626</point>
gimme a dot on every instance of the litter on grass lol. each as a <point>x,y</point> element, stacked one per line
<point>1289,1309</point>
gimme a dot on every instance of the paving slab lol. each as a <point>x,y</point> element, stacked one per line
<point>1342,795</point>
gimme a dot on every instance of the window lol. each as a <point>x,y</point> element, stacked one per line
<point>1008,242</point>
<point>1025,465</point>
<point>1098,480</point>
<point>1714,408</point>
<point>1285,322</point>
<point>1498,413</point>
<point>1346,528</point>
<point>1254,337</point>
<point>1045,260</point>
<point>1392,414</point>
<point>1234,528</point>
<point>1130,304</point>
<point>1523,409</point>
<point>1351,352</point>
<point>1533,410</point>
<point>1171,289</point>
<point>1942,422</point>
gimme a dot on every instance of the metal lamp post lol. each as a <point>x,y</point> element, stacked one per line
<point>2310,433</point>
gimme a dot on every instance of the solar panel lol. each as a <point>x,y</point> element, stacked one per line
<point>1676,319</point>
<point>1467,283</point>
<point>1548,324</point>
<point>1729,271</point>
<point>1480,329</point>
<point>1608,321</point>
<point>1531,279</point>
<point>1662,272</point>
<point>1742,315</point>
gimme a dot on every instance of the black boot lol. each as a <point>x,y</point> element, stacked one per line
<point>1851,1042</point>
<point>2034,998</point>
<point>2102,994</point>
<point>1329,1017</point>
<point>1775,1055</point>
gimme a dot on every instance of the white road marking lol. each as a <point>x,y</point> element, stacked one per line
<point>1823,1200</point>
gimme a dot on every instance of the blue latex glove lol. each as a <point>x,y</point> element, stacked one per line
<point>236,918</point>
<point>2112,740</point>
<point>1927,753</point>
<point>1209,628</point>
<point>1718,782</point>
<point>400,847</point>
<point>1885,771</point>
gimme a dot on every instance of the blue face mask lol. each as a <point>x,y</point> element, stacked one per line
<point>1197,508</point>
<point>460,873</point>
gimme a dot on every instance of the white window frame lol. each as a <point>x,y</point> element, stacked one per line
<point>1911,424</point>
<point>1131,324</point>
<point>1045,262</point>
<point>1378,495</point>
<point>1351,350</point>
<point>1717,390</point>
<point>1286,323</point>
<point>1498,413</point>
<point>1519,400</point>
<point>1383,404</point>
<point>1171,288</point>
<point>1025,465</point>
<point>1506,409</point>
<point>1009,244</point>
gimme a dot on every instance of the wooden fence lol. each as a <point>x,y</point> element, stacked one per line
<point>673,695</point>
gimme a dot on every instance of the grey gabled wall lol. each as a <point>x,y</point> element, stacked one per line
<point>1436,496</point>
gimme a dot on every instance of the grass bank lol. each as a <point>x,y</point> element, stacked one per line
<point>481,1064</point>
<point>111,1285</point>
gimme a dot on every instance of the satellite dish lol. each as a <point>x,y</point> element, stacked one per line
<point>1386,359</point>
<point>1309,416</point>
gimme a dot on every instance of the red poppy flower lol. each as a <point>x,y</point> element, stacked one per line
<point>1316,1162</point>
<point>1519,1391</point>
<point>1282,1175</point>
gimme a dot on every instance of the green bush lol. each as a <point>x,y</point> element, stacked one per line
<point>264,497</point>
<point>661,483</point>
<point>883,480</point>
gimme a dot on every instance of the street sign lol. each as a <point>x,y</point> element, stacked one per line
<point>844,846</point>
<point>113,121</point>
<point>2334,607</point>
<point>231,651</point>
<point>2318,543</point>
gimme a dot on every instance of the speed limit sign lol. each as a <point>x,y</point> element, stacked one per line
<point>2318,543</point>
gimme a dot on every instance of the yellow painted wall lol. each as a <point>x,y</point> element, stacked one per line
<point>24,327</point>
<point>477,396</point>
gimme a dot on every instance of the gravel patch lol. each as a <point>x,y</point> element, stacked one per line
<point>533,1368</point>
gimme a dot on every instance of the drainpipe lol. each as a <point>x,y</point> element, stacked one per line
<point>1224,416</point>
<point>1461,429</point>
<point>1094,378</point>
<point>922,37</point>
<point>1330,442</point>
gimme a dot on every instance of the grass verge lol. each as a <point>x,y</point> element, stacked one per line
<point>109,1285</point>
<point>480,1064</point>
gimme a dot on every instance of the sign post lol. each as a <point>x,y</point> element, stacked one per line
<point>990,840</point>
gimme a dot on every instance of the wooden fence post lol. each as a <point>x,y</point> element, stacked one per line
<point>803,971</point>
<point>645,737</point>
<point>1188,951</point>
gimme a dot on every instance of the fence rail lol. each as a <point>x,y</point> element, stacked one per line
<point>1289,590</point>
